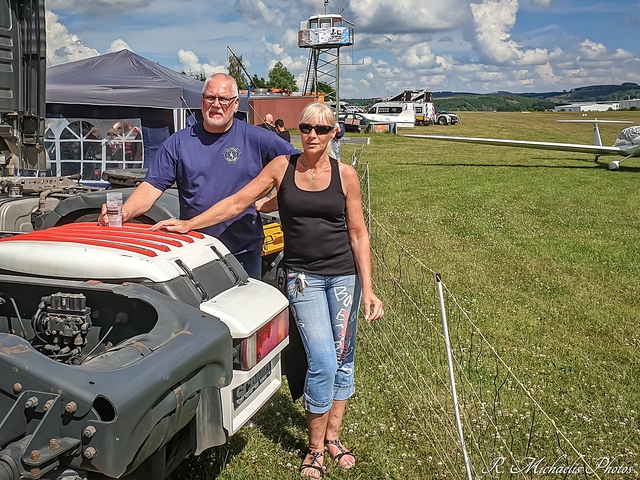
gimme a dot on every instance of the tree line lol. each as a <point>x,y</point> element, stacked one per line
<point>279,77</point>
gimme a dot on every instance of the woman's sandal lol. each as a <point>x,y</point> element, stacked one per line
<point>343,452</point>
<point>319,468</point>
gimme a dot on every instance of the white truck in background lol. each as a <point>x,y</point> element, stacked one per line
<point>424,108</point>
<point>400,113</point>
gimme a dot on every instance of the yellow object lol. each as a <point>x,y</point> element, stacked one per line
<point>273,239</point>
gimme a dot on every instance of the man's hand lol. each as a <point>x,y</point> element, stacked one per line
<point>140,201</point>
<point>173,225</point>
<point>103,218</point>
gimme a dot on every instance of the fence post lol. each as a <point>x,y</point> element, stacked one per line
<point>445,331</point>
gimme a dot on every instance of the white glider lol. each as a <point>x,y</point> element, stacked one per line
<point>627,144</point>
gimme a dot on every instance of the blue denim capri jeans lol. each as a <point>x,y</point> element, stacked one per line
<point>326,313</point>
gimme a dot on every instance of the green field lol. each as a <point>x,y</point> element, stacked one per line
<point>541,248</point>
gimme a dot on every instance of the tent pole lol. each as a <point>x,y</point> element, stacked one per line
<point>178,119</point>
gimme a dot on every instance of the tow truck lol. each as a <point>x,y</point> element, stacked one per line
<point>122,350</point>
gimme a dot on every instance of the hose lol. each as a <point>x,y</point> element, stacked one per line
<point>6,472</point>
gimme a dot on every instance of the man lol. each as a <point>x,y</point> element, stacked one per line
<point>208,162</point>
<point>335,143</point>
<point>268,123</point>
<point>281,131</point>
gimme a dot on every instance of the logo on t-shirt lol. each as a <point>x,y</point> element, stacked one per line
<point>231,155</point>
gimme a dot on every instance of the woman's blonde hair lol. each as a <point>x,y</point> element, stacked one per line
<point>320,113</point>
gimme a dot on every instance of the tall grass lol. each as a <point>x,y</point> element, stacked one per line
<point>539,248</point>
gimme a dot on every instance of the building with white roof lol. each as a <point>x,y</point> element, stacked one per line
<point>589,106</point>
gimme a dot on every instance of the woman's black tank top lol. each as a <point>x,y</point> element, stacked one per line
<point>314,226</point>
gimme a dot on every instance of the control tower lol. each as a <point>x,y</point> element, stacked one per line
<point>323,35</point>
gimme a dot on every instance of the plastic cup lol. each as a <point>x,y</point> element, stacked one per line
<point>114,208</point>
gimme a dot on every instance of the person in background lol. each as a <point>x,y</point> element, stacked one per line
<point>209,161</point>
<point>328,261</point>
<point>281,131</point>
<point>335,142</point>
<point>119,144</point>
<point>268,123</point>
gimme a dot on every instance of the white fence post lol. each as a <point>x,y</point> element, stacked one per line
<point>445,331</point>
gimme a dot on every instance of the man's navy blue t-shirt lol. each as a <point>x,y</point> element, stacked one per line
<point>208,167</point>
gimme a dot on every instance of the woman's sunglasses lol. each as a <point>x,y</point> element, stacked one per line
<point>320,129</point>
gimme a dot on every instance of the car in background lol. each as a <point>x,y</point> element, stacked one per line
<point>354,122</point>
<point>446,118</point>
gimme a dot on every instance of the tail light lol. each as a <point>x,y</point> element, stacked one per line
<point>250,351</point>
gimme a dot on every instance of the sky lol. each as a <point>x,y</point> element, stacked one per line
<point>439,45</point>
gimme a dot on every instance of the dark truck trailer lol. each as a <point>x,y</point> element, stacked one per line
<point>22,85</point>
<point>123,350</point>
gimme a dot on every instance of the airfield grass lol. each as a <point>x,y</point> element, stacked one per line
<point>542,248</point>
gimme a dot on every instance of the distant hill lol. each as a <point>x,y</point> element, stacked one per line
<point>510,102</point>
<point>495,102</point>
<point>593,93</point>
<point>596,93</point>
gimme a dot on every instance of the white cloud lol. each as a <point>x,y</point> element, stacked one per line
<point>388,41</point>
<point>419,56</point>
<point>398,16</point>
<point>545,4</point>
<point>349,64</point>
<point>296,65</point>
<point>290,39</point>
<point>490,76</point>
<point>258,13</point>
<point>300,81</point>
<point>276,53</point>
<point>272,48</point>
<point>591,50</point>
<point>118,45</point>
<point>545,73</point>
<point>62,46</point>
<point>622,54</point>
<point>493,21</point>
<point>433,81</point>
<point>191,64</point>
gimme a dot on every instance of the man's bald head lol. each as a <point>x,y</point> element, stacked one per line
<point>221,78</point>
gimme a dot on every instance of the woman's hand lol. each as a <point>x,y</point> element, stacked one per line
<point>372,306</point>
<point>173,225</point>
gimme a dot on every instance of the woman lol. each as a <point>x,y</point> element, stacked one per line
<point>328,261</point>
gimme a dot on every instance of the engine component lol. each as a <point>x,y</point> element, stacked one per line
<point>61,330</point>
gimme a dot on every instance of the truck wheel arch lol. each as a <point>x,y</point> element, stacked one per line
<point>86,208</point>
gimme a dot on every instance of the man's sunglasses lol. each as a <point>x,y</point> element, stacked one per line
<point>320,129</point>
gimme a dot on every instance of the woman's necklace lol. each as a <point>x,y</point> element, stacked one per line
<point>313,175</point>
